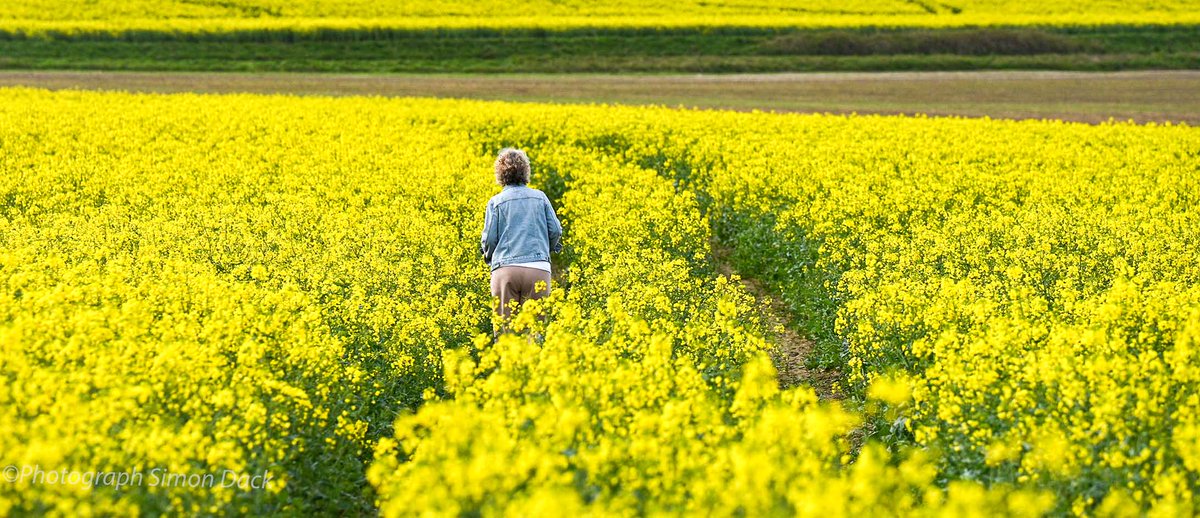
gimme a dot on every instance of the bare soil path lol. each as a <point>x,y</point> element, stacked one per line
<point>792,349</point>
<point>1091,97</point>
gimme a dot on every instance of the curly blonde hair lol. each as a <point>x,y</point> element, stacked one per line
<point>512,167</point>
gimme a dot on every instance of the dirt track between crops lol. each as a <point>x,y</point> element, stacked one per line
<point>1141,96</point>
<point>792,350</point>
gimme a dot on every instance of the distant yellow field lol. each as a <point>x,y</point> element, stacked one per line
<point>73,16</point>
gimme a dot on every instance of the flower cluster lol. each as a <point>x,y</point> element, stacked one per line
<point>646,388</point>
<point>224,283</point>
<point>253,283</point>
<point>1038,280</point>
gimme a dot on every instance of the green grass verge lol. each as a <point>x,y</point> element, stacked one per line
<point>618,50</point>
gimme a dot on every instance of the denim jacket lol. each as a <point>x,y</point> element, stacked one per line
<point>519,226</point>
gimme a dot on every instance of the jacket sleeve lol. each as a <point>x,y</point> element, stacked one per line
<point>487,241</point>
<point>554,228</point>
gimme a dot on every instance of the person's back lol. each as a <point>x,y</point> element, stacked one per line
<point>520,230</point>
<point>523,227</point>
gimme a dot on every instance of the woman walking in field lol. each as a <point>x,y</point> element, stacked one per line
<point>520,230</point>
